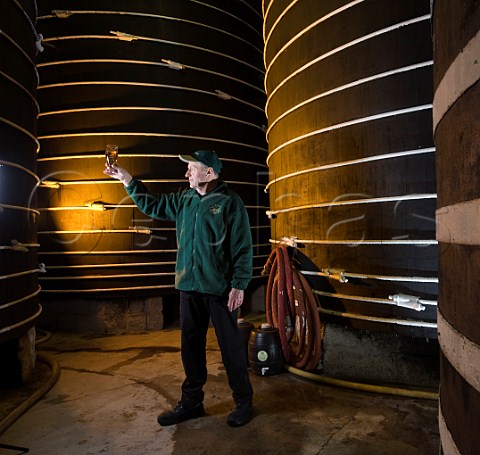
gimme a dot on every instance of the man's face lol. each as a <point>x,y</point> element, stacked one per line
<point>197,175</point>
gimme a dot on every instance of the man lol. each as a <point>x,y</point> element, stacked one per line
<point>214,266</point>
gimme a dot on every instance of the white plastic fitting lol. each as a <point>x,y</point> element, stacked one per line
<point>407,301</point>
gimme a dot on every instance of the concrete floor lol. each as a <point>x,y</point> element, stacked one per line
<point>111,390</point>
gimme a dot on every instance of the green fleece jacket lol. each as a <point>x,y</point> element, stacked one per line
<point>213,236</point>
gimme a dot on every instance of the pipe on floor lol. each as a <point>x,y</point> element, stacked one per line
<point>7,421</point>
<point>410,393</point>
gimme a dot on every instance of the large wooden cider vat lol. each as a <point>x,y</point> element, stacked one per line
<point>351,156</point>
<point>157,79</point>
<point>19,269</point>
<point>456,113</point>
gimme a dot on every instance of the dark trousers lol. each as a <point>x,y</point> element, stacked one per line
<point>195,312</point>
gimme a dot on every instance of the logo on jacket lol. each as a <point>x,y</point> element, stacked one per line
<point>215,209</point>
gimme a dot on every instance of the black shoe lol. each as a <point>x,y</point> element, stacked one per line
<point>180,414</point>
<point>240,415</point>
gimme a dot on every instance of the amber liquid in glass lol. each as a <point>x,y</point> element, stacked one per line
<point>111,153</point>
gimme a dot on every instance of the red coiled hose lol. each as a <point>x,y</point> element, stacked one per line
<point>291,306</point>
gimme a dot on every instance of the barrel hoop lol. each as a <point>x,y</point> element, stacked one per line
<point>460,76</point>
<point>363,317</point>
<point>452,220</point>
<point>341,48</point>
<point>24,322</point>
<point>448,444</point>
<point>357,121</point>
<point>462,353</point>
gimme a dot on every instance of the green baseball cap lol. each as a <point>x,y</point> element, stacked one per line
<point>207,157</point>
